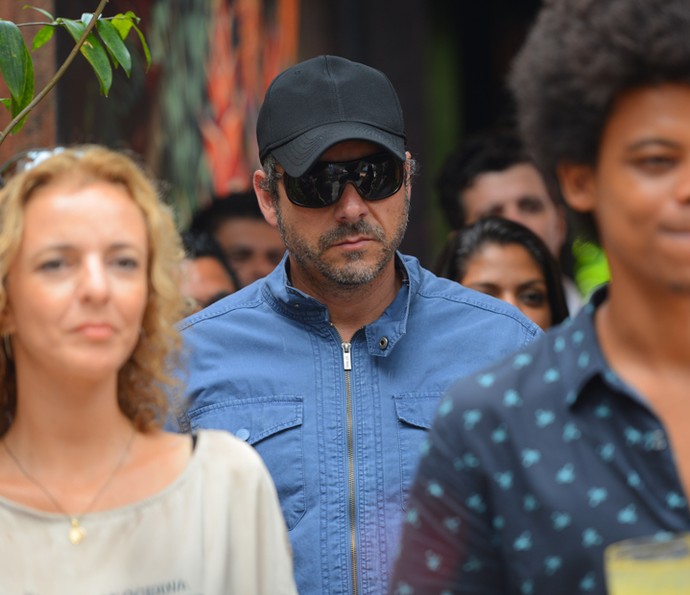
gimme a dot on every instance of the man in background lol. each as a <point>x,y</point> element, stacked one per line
<point>251,246</point>
<point>206,277</point>
<point>491,174</point>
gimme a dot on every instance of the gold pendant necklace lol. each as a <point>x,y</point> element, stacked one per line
<point>76,531</point>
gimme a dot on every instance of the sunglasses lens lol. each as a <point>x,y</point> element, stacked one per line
<point>375,177</point>
<point>380,180</point>
<point>312,190</point>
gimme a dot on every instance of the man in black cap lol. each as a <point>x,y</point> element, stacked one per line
<point>333,365</point>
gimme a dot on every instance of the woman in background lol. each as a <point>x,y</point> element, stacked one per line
<point>94,496</point>
<point>508,261</point>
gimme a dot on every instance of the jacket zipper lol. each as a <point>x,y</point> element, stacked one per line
<point>347,367</point>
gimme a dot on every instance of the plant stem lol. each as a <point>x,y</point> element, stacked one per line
<point>58,75</point>
<point>36,24</point>
<point>51,23</point>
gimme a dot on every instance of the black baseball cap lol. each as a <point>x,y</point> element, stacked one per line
<point>323,101</point>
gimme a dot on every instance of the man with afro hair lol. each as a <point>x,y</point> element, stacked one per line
<point>539,463</point>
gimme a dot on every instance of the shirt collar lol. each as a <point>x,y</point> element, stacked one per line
<point>578,337</point>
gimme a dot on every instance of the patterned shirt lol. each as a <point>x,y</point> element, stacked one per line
<point>532,468</point>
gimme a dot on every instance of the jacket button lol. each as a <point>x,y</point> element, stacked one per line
<point>242,434</point>
<point>383,343</point>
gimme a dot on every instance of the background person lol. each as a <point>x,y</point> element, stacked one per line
<point>94,497</point>
<point>206,277</point>
<point>491,174</point>
<point>333,365</point>
<point>539,463</point>
<point>506,260</point>
<point>252,247</point>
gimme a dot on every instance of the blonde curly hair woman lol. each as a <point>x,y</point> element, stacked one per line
<point>94,495</point>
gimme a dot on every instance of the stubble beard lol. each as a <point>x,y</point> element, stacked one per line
<point>355,273</point>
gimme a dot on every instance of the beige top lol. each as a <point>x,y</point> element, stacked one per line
<point>217,529</point>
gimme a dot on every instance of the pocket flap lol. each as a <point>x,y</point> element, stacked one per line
<point>417,410</point>
<point>251,419</point>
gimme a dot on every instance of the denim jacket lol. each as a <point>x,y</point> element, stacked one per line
<point>339,425</point>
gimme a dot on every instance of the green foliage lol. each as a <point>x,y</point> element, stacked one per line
<point>93,51</point>
<point>101,43</point>
<point>117,49</point>
<point>16,67</point>
<point>179,36</point>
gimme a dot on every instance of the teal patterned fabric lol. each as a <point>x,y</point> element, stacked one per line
<point>531,469</point>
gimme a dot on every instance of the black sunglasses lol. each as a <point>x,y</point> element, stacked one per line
<point>374,177</point>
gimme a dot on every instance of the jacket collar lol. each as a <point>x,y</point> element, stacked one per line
<point>381,335</point>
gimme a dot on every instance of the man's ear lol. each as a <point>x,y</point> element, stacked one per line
<point>578,186</point>
<point>265,199</point>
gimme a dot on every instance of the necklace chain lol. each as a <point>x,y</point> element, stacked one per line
<point>76,532</point>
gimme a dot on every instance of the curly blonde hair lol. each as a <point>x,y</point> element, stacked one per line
<point>144,380</point>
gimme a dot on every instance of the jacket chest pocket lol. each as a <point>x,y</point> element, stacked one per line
<point>415,415</point>
<point>272,425</point>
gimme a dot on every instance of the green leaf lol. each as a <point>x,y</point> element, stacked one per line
<point>116,47</point>
<point>19,125</point>
<point>9,106</point>
<point>44,35</point>
<point>132,17</point>
<point>16,65</point>
<point>43,12</point>
<point>93,51</point>
<point>123,23</point>
<point>74,28</point>
<point>147,52</point>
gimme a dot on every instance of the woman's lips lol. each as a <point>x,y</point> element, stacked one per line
<point>96,331</point>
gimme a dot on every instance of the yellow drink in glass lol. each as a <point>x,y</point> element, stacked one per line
<point>649,566</point>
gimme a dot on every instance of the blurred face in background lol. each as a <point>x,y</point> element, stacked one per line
<point>252,247</point>
<point>509,273</point>
<point>519,194</point>
<point>204,280</point>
